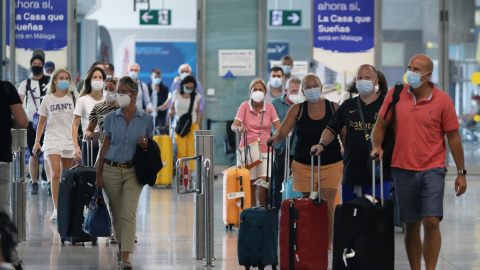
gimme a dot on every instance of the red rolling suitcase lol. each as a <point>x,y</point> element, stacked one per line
<point>304,231</point>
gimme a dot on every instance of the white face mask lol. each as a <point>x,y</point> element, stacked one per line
<point>293,98</point>
<point>258,96</point>
<point>109,96</point>
<point>184,74</point>
<point>124,100</point>
<point>97,85</point>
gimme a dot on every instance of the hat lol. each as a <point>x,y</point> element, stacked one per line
<point>49,66</point>
<point>39,52</point>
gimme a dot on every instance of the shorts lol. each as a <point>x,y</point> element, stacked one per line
<point>61,153</point>
<point>261,170</point>
<point>419,193</point>
<point>331,176</point>
<point>31,135</point>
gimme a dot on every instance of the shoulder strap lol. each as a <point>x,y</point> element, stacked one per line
<point>395,98</point>
<point>332,107</point>
<point>74,99</point>
<point>192,101</point>
<point>261,122</point>
<point>360,111</point>
<point>297,118</point>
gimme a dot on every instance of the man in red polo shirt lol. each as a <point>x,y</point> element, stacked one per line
<point>424,115</point>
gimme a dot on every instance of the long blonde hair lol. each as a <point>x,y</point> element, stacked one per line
<point>53,87</point>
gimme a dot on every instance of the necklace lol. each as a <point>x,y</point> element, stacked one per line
<point>96,98</point>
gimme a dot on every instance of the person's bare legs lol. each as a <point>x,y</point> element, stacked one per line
<point>56,171</point>
<point>413,244</point>
<point>48,170</point>
<point>432,241</point>
<point>330,195</point>
<point>33,166</point>
<point>262,199</point>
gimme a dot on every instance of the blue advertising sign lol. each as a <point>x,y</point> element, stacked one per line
<point>276,50</point>
<point>345,26</point>
<point>167,56</point>
<point>39,24</point>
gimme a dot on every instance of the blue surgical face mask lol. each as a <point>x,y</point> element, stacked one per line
<point>413,79</point>
<point>364,87</point>
<point>287,69</point>
<point>186,91</point>
<point>276,82</point>
<point>63,85</point>
<point>157,81</point>
<point>133,74</point>
<point>314,94</point>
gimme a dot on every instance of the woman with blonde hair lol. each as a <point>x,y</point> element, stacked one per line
<point>311,118</point>
<point>56,112</point>
<point>256,117</point>
<point>92,94</point>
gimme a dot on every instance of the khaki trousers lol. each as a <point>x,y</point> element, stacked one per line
<point>123,191</point>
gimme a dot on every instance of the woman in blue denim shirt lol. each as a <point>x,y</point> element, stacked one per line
<point>124,129</point>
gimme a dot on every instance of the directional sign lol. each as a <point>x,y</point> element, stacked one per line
<point>285,17</point>
<point>156,17</point>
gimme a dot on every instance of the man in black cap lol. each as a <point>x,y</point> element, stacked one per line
<point>32,90</point>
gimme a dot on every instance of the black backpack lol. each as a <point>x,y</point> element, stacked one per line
<point>185,121</point>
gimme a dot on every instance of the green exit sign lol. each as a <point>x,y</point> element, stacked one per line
<point>285,17</point>
<point>156,17</point>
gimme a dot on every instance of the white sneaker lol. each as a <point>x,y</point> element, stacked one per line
<point>54,215</point>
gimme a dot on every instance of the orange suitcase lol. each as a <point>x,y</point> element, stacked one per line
<point>236,195</point>
<point>164,177</point>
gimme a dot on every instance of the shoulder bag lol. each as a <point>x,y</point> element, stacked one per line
<point>184,123</point>
<point>250,153</point>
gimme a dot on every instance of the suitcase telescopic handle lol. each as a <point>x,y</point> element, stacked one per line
<point>373,179</point>
<point>286,171</point>
<point>312,155</point>
<point>89,160</point>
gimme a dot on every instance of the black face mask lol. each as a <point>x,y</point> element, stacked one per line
<point>37,70</point>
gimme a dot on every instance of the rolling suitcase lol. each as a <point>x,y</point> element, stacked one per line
<point>363,233</point>
<point>75,192</point>
<point>287,183</point>
<point>396,214</point>
<point>304,231</point>
<point>236,194</point>
<point>164,177</point>
<point>258,233</point>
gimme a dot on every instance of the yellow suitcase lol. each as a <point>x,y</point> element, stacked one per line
<point>236,195</point>
<point>164,177</point>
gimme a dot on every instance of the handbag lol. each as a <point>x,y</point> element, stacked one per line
<point>97,220</point>
<point>148,163</point>
<point>185,121</point>
<point>36,116</point>
<point>250,153</point>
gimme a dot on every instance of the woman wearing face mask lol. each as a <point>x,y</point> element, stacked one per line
<point>101,109</point>
<point>124,129</point>
<point>181,99</point>
<point>91,95</point>
<point>256,117</point>
<point>311,118</point>
<point>57,112</point>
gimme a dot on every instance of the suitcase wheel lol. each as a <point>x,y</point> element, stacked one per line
<point>230,227</point>
<point>94,242</point>
<point>83,244</point>
<point>169,186</point>
<point>73,242</point>
<point>63,241</point>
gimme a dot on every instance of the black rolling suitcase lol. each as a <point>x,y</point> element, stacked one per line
<point>258,234</point>
<point>75,192</point>
<point>364,234</point>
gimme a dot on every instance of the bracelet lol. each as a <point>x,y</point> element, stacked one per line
<point>322,144</point>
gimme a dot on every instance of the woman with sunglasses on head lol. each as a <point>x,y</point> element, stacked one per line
<point>91,94</point>
<point>56,112</point>
<point>124,129</point>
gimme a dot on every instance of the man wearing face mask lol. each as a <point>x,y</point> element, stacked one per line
<point>356,181</point>
<point>160,97</point>
<point>274,85</point>
<point>183,71</point>
<point>282,106</point>
<point>287,65</point>
<point>424,116</point>
<point>143,98</point>
<point>33,90</point>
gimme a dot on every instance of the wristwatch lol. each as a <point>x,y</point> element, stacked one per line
<point>464,172</point>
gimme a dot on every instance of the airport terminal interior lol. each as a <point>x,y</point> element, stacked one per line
<point>227,44</point>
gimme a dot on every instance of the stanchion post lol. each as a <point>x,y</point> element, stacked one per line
<point>18,192</point>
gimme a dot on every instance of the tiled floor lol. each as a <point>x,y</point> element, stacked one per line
<point>165,235</point>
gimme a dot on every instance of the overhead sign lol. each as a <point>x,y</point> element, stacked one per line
<point>343,34</point>
<point>39,24</point>
<point>156,17</point>
<point>300,68</point>
<point>343,25</point>
<point>285,17</point>
<point>238,62</point>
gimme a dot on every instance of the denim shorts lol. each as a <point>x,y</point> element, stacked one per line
<point>419,193</point>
